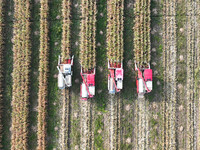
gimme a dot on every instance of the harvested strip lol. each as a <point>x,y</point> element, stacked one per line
<point>115,30</point>
<point>43,74</point>
<point>64,132</point>
<point>1,66</point>
<point>21,64</point>
<point>114,125</point>
<point>191,64</point>
<point>66,13</point>
<point>197,74</point>
<point>142,124</point>
<point>86,126</point>
<point>141,29</point>
<point>169,64</point>
<point>88,34</point>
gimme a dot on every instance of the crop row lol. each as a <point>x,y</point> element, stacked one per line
<point>115,13</point>
<point>21,69</point>
<point>141,29</point>
<point>169,65</point>
<point>65,52</point>
<point>88,34</point>
<point>43,74</point>
<point>1,67</point>
<point>66,13</point>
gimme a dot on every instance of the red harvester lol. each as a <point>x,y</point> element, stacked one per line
<point>115,77</point>
<point>144,80</point>
<point>88,84</point>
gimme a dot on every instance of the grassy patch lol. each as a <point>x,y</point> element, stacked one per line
<point>55,29</point>
<point>8,61</point>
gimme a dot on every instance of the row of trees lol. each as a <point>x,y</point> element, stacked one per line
<point>115,12</point>
<point>88,34</point>
<point>141,29</point>
<point>43,75</point>
<point>21,65</point>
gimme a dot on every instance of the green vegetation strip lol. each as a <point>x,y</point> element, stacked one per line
<point>1,67</point>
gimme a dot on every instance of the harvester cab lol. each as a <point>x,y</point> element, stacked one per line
<point>144,80</point>
<point>115,77</point>
<point>65,72</point>
<point>88,84</point>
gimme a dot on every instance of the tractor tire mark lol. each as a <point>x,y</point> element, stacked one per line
<point>169,57</point>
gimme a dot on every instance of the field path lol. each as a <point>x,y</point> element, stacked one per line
<point>169,64</point>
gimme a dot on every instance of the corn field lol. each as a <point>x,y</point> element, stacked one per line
<point>115,12</point>
<point>88,34</point>
<point>142,44</point>
<point>20,75</point>
<point>43,76</point>
<point>36,114</point>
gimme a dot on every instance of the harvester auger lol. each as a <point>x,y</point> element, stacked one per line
<point>88,84</point>
<point>115,77</point>
<point>144,80</point>
<point>65,72</point>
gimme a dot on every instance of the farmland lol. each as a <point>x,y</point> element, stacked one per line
<point>36,114</point>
